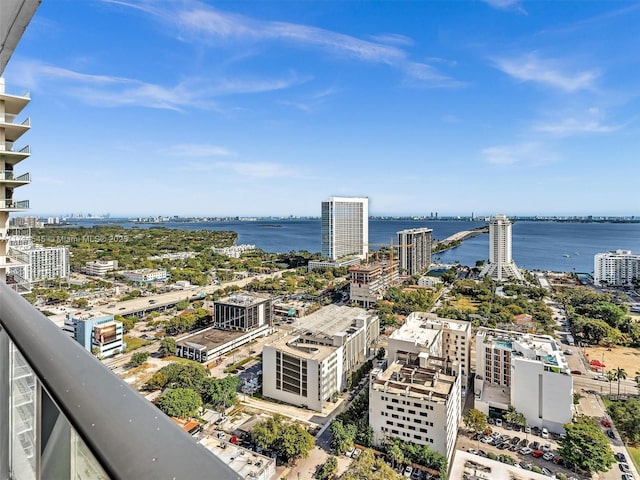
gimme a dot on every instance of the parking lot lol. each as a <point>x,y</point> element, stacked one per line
<point>526,449</point>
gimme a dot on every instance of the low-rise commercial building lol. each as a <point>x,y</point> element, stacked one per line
<point>416,399</point>
<point>311,364</point>
<point>96,332</point>
<point>526,371</point>
<point>242,311</point>
<point>145,275</point>
<point>100,268</point>
<point>210,344</point>
<point>234,251</point>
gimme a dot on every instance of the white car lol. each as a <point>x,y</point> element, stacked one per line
<point>526,451</point>
<point>408,471</point>
<point>548,456</point>
<point>545,433</point>
<point>546,448</point>
<point>349,453</point>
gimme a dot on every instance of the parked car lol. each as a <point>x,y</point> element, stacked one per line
<point>624,468</point>
<point>627,476</point>
<point>547,472</point>
<point>605,422</point>
<point>546,447</point>
<point>548,456</point>
<point>407,471</point>
<point>537,453</point>
<point>473,451</point>
<point>357,453</point>
<point>621,457</point>
<point>498,422</point>
<point>544,433</point>
<point>525,451</point>
<point>611,434</point>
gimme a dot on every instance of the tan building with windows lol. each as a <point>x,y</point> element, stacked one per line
<point>309,365</point>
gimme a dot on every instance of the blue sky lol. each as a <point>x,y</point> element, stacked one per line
<point>268,107</point>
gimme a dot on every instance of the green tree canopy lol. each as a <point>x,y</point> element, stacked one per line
<point>289,440</point>
<point>179,402</point>
<point>586,446</point>
<point>342,436</point>
<point>138,358</point>
<point>475,420</point>
<point>168,346</point>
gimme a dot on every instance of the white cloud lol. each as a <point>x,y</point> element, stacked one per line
<point>110,91</point>
<point>205,23</point>
<point>590,121</point>
<point>393,39</point>
<point>532,68</point>
<point>506,5</point>
<point>241,169</point>
<point>197,150</point>
<point>524,154</point>
<point>575,126</point>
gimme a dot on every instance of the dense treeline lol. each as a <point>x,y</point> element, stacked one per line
<point>470,299</point>
<point>626,416</point>
<point>183,381</point>
<point>599,318</point>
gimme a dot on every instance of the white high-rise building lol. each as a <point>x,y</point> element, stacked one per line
<point>526,371</point>
<point>11,129</point>
<point>501,265</point>
<point>43,263</point>
<point>442,337</point>
<point>345,227</point>
<point>416,399</point>
<point>617,268</point>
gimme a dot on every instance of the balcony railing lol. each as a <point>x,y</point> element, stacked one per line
<point>84,418</point>
<point>21,205</point>
<point>18,284</point>
<point>10,175</point>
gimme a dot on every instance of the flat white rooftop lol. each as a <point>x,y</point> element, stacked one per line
<point>331,319</point>
<point>424,327</point>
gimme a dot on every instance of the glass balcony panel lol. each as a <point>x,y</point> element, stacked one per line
<point>22,412</point>
<point>84,464</point>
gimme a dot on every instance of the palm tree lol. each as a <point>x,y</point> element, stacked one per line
<point>620,375</point>
<point>611,376</point>
<point>395,454</point>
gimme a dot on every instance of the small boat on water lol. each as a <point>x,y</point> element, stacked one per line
<point>566,255</point>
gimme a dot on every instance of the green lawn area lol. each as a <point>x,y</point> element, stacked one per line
<point>635,455</point>
<point>134,343</point>
<point>465,304</point>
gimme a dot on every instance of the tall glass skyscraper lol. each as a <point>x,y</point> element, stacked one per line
<point>345,227</point>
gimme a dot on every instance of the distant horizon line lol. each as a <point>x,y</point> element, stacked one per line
<point>108,216</point>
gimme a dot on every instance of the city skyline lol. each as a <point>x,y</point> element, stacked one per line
<point>259,109</point>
